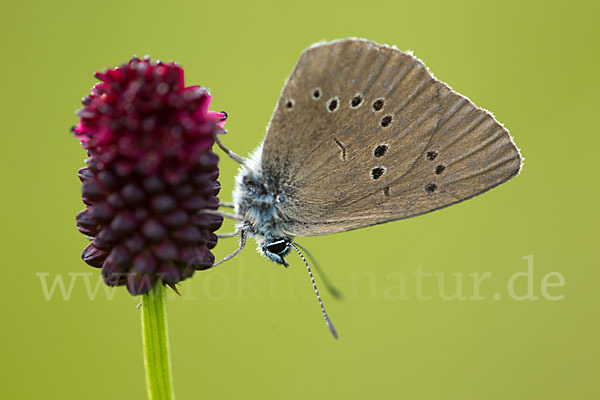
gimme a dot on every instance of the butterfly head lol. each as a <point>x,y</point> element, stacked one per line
<point>258,201</point>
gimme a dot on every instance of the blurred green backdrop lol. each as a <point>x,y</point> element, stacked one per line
<point>252,329</point>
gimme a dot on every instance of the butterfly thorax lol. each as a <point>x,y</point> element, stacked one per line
<point>258,202</point>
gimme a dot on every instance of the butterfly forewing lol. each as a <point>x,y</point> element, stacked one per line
<point>364,134</point>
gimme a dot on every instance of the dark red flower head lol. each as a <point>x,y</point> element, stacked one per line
<point>150,170</point>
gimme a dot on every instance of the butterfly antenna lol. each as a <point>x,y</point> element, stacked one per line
<point>235,253</point>
<point>335,292</point>
<point>327,320</point>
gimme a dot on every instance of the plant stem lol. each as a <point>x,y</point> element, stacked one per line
<point>156,344</point>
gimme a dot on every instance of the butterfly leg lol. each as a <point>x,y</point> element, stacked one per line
<point>235,253</point>
<point>230,153</point>
<point>227,235</point>
<point>226,204</point>
<point>221,213</point>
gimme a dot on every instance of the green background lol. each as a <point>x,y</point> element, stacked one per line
<point>252,329</point>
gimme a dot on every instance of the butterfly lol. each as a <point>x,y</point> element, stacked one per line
<point>363,134</point>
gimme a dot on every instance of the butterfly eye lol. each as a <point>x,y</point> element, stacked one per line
<point>277,247</point>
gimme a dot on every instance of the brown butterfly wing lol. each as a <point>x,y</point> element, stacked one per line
<point>411,145</point>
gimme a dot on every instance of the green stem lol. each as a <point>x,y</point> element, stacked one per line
<point>156,344</point>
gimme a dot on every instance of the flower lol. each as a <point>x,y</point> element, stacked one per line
<point>149,172</point>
